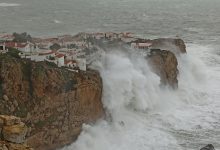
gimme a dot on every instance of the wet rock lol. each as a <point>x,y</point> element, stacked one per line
<point>208,147</point>
<point>164,64</point>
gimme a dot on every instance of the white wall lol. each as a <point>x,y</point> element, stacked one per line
<point>60,61</point>
<point>81,64</point>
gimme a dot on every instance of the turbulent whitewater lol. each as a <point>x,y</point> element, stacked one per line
<point>144,116</point>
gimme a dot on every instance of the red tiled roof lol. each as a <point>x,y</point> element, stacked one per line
<point>48,53</point>
<point>51,40</point>
<point>70,61</point>
<point>60,55</point>
<point>15,44</point>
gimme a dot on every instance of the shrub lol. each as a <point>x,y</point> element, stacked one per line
<point>23,37</point>
<point>55,46</point>
<point>13,52</point>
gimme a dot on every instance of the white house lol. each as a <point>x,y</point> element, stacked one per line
<point>128,39</point>
<point>81,63</point>
<point>40,55</point>
<point>60,60</point>
<point>2,47</point>
<point>23,47</point>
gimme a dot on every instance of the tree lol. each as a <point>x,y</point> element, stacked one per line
<point>22,37</point>
<point>55,46</point>
<point>13,52</point>
<point>71,46</point>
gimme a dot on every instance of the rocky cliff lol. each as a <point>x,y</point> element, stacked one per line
<point>53,102</point>
<point>12,133</point>
<point>163,59</point>
<point>164,63</point>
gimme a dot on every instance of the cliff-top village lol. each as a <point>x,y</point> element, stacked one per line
<point>72,52</point>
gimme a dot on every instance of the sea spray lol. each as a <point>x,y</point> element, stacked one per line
<point>145,116</point>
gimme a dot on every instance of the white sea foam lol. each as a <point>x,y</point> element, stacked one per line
<point>57,21</point>
<point>146,117</point>
<point>9,4</point>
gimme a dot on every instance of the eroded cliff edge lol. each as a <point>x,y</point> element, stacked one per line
<point>53,102</point>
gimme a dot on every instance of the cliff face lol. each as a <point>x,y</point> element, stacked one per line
<point>53,102</point>
<point>164,64</point>
<point>163,59</point>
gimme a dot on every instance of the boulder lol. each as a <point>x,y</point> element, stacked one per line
<point>208,147</point>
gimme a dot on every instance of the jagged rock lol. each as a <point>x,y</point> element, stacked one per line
<point>175,45</point>
<point>164,64</point>
<point>208,147</point>
<point>15,133</point>
<point>45,93</point>
<point>10,120</point>
<point>163,58</point>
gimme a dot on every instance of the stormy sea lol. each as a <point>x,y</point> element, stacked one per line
<point>142,115</point>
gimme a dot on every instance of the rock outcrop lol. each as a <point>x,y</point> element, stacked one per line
<point>177,46</point>
<point>208,147</point>
<point>53,102</point>
<point>12,133</point>
<point>163,59</point>
<point>164,64</point>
